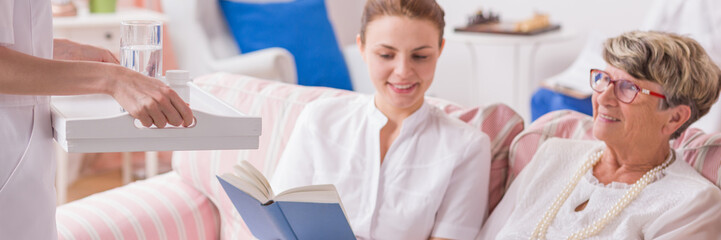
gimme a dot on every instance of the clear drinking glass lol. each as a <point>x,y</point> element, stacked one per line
<point>141,47</point>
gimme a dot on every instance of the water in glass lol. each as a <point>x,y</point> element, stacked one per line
<point>145,59</point>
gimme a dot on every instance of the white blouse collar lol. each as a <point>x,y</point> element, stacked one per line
<point>410,123</point>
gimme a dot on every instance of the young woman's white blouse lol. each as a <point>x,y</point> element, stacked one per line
<point>433,180</point>
<point>678,204</point>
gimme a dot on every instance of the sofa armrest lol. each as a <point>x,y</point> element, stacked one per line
<point>162,207</point>
<point>270,63</point>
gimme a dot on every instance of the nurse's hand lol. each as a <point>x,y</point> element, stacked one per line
<point>147,99</point>
<point>64,49</point>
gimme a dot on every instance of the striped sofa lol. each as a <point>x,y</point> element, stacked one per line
<point>188,202</point>
<point>700,150</point>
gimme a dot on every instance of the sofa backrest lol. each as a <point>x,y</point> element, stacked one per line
<point>279,105</point>
<point>700,150</point>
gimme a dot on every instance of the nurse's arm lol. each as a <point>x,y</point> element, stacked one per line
<point>145,98</point>
<point>64,49</point>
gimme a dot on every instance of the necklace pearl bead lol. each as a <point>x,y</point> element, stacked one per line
<point>539,233</point>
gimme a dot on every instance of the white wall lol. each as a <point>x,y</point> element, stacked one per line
<point>345,16</point>
<point>494,65</point>
<point>610,17</point>
<point>580,16</point>
<point>453,77</point>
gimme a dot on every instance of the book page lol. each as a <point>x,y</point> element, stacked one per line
<point>309,194</point>
<point>244,174</point>
<point>246,186</point>
<point>325,193</point>
<point>311,188</point>
<point>257,177</point>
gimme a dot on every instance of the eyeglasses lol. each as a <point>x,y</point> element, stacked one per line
<point>624,90</point>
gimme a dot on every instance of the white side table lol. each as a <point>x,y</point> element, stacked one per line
<point>101,30</point>
<point>523,61</point>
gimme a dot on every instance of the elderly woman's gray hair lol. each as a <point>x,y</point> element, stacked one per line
<point>682,67</point>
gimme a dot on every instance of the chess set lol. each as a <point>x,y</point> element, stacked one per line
<point>491,23</point>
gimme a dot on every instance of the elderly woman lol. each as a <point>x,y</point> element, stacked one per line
<point>630,184</point>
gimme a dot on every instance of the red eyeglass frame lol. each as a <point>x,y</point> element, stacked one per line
<point>614,81</point>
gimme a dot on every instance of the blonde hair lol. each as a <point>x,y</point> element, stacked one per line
<point>679,64</point>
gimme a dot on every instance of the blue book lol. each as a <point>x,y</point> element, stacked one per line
<point>310,212</point>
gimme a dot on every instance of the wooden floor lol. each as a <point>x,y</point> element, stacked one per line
<point>87,185</point>
<point>102,172</point>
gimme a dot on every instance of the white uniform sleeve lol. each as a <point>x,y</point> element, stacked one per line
<point>7,35</point>
<point>295,167</point>
<point>464,205</point>
<point>697,218</point>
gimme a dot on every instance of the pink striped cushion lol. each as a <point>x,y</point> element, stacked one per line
<point>564,124</point>
<point>700,150</point>
<point>162,207</point>
<point>501,124</point>
<point>279,105</point>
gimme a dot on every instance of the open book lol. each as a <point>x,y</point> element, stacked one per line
<point>310,212</point>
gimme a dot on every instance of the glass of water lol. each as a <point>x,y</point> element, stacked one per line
<point>141,47</point>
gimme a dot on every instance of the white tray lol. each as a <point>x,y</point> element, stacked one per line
<point>96,123</point>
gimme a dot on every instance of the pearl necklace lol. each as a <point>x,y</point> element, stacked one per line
<point>597,226</point>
